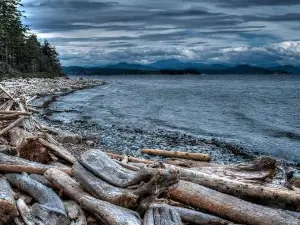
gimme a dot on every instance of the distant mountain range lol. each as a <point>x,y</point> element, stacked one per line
<point>174,66</point>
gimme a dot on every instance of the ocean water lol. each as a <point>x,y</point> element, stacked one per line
<point>260,114</point>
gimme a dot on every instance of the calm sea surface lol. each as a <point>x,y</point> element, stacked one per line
<point>259,113</point>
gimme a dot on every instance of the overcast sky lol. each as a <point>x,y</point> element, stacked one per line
<point>96,32</point>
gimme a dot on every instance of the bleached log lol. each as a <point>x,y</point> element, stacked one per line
<point>8,208</point>
<point>49,209</point>
<point>11,164</point>
<point>227,206</point>
<point>106,212</point>
<point>58,151</point>
<point>177,154</point>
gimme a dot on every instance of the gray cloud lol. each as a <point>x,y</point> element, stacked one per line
<point>130,29</point>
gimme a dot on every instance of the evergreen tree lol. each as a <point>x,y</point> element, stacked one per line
<point>21,50</point>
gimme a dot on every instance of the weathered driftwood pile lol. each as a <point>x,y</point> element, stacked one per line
<point>42,183</point>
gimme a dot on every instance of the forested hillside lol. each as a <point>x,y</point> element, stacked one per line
<point>21,53</point>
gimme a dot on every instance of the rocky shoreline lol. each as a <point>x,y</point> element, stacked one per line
<point>44,182</point>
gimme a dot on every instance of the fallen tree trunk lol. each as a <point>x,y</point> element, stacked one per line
<point>175,154</point>
<point>227,206</point>
<point>58,151</point>
<point>8,208</point>
<point>162,214</point>
<point>49,206</point>
<point>107,213</point>
<point>11,164</point>
<point>241,189</point>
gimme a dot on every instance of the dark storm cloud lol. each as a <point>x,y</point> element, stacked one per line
<point>147,30</point>
<point>249,3</point>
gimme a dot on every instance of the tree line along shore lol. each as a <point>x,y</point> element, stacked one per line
<point>21,53</point>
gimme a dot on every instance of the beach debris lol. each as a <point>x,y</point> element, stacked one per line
<point>43,182</point>
<point>177,154</point>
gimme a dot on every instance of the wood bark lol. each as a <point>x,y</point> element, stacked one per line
<point>239,188</point>
<point>176,154</point>
<point>49,209</point>
<point>8,208</point>
<point>162,215</point>
<point>230,207</point>
<point>107,213</point>
<point>12,164</point>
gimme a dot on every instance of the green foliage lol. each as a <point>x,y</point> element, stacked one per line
<point>21,50</point>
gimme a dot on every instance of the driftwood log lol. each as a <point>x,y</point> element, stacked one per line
<point>11,164</point>
<point>104,191</point>
<point>107,213</point>
<point>151,188</point>
<point>8,208</point>
<point>230,207</point>
<point>161,215</point>
<point>239,188</point>
<point>49,209</point>
<point>75,213</point>
<point>108,170</point>
<point>198,218</point>
<point>175,162</point>
<point>176,154</point>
